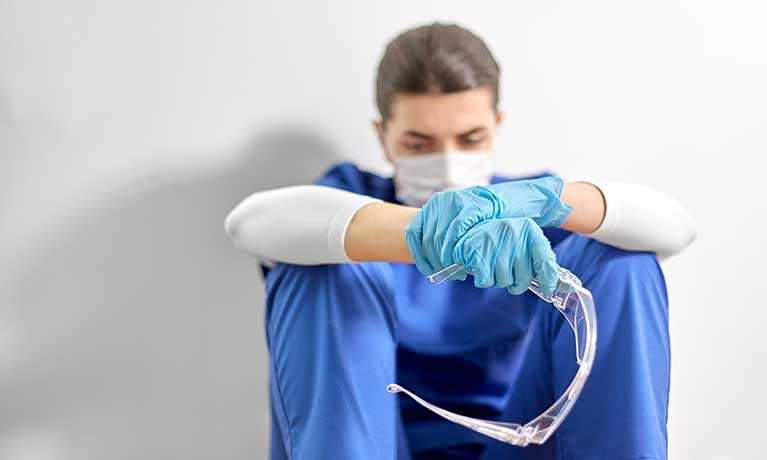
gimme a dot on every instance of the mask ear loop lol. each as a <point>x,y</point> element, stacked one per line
<point>577,306</point>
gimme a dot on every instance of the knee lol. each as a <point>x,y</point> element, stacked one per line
<point>605,268</point>
<point>626,271</point>
<point>629,293</point>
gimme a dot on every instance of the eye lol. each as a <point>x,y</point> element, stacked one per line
<point>414,146</point>
<point>473,140</point>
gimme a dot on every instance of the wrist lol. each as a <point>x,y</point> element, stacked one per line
<point>377,233</point>
<point>588,207</point>
<point>538,199</point>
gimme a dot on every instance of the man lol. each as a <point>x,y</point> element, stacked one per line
<point>348,313</point>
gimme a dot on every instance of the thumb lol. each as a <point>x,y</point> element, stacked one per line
<point>545,267</point>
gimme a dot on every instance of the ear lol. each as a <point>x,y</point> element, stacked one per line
<point>380,131</point>
<point>499,117</point>
<point>378,126</point>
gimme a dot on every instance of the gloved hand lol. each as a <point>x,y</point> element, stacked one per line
<point>447,216</point>
<point>508,253</point>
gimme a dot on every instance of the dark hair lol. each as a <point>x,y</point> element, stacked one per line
<point>436,58</point>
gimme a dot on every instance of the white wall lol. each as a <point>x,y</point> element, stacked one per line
<point>129,328</point>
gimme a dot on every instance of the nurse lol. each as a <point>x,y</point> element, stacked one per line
<point>349,311</point>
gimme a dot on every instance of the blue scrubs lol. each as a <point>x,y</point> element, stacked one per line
<point>338,334</point>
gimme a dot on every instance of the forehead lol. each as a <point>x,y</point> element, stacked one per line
<point>443,114</point>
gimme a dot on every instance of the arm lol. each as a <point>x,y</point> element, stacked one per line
<point>313,225</point>
<point>636,218</point>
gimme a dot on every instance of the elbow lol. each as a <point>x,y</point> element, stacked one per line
<point>680,238</point>
<point>232,225</point>
<point>243,226</point>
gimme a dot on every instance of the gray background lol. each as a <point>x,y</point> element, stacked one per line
<point>129,326</point>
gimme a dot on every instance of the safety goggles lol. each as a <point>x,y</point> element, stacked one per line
<point>577,306</point>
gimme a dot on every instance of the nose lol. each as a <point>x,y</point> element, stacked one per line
<point>450,145</point>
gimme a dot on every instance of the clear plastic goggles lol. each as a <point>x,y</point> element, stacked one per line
<point>577,306</point>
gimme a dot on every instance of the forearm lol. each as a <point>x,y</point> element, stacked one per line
<point>377,233</point>
<point>588,205</point>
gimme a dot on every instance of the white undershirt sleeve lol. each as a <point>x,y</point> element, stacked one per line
<point>641,218</point>
<point>304,225</point>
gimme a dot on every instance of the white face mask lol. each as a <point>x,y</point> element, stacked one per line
<point>416,178</point>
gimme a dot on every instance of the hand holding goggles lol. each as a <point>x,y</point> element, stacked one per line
<point>577,306</point>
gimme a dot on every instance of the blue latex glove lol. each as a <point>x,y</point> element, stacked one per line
<point>447,216</point>
<point>508,253</point>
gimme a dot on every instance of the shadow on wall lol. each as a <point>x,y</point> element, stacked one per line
<point>140,332</point>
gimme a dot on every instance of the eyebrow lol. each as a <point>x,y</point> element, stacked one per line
<point>418,135</point>
<point>476,130</point>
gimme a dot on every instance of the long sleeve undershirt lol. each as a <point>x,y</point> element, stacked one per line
<point>307,224</point>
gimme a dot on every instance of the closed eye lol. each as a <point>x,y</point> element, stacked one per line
<point>474,136</point>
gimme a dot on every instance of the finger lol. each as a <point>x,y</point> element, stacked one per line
<point>545,268</point>
<point>468,209</point>
<point>550,276</point>
<point>507,254</point>
<point>454,231</point>
<point>483,271</point>
<point>523,262</point>
<point>468,252</point>
<point>523,273</point>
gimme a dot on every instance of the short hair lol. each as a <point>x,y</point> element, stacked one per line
<point>435,58</point>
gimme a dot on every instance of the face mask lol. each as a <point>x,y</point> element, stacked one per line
<point>418,177</point>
